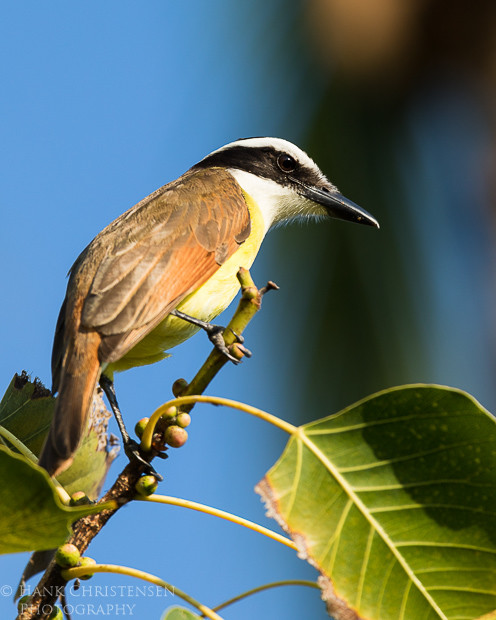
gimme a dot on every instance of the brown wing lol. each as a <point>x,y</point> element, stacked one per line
<point>144,263</point>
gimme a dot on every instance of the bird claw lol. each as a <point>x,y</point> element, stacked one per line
<point>240,346</point>
<point>216,336</point>
<point>246,352</point>
<point>239,338</point>
<point>133,453</point>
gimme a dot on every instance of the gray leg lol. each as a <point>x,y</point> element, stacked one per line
<point>131,447</point>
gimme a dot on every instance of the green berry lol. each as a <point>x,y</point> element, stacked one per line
<point>23,601</point>
<point>140,426</point>
<point>183,420</point>
<point>56,614</point>
<point>87,562</point>
<point>169,413</point>
<point>175,436</point>
<point>179,386</point>
<point>146,485</point>
<point>67,556</point>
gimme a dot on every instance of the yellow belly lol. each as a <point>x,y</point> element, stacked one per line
<point>205,303</point>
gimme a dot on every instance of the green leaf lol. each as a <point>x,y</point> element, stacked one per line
<point>32,516</point>
<point>26,411</point>
<point>394,500</point>
<point>179,613</point>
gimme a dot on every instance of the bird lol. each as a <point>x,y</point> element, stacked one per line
<point>167,267</point>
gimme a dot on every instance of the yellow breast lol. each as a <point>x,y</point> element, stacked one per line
<point>205,303</point>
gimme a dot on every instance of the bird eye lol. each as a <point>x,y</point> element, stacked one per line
<point>286,163</point>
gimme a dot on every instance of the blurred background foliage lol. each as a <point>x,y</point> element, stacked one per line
<point>402,121</point>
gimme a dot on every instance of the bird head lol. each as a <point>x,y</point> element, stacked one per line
<point>284,181</point>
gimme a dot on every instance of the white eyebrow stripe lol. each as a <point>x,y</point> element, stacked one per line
<point>277,143</point>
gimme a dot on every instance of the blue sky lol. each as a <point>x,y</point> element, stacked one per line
<point>101,104</point>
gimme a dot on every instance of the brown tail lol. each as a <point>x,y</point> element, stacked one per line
<point>78,380</point>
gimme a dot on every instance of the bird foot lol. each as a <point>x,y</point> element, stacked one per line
<point>133,453</point>
<point>215,334</point>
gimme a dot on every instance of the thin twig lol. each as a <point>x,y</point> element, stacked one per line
<point>267,586</point>
<point>215,512</point>
<point>72,573</point>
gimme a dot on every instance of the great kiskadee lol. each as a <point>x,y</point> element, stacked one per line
<point>179,249</point>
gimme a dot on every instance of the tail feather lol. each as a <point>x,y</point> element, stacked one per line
<point>78,380</point>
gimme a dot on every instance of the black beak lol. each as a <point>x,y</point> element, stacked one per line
<point>338,206</point>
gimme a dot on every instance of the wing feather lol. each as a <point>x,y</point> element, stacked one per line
<point>144,263</point>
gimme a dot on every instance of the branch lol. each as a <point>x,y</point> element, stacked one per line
<point>52,583</point>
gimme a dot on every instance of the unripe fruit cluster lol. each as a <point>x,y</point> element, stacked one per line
<point>169,431</point>
<point>172,427</point>
<point>68,556</point>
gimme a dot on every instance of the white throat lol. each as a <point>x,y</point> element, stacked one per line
<point>276,202</point>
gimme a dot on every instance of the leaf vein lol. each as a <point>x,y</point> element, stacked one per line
<point>363,569</point>
<point>409,457</point>
<point>366,515</point>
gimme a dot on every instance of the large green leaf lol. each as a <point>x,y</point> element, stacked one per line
<point>393,499</point>
<point>32,516</point>
<point>26,411</point>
